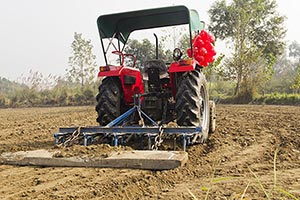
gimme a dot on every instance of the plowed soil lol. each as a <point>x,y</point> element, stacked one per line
<point>237,162</point>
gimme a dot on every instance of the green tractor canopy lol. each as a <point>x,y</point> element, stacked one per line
<point>120,25</point>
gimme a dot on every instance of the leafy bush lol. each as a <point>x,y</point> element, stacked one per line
<point>2,101</point>
<point>58,96</point>
<point>278,99</point>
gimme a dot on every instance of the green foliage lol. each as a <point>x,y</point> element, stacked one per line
<point>278,99</point>
<point>221,19</point>
<point>58,96</point>
<point>256,31</point>
<point>176,37</point>
<point>214,69</point>
<point>296,82</point>
<point>184,42</point>
<point>285,71</point>
<point>61,92</point>
<point>7,86</point>
<point>294,49</point>
<point>143,51</point>
<point>2,100</point>
<point>250,22</point>
<point>82,61</point>
<point>268,99</point>
<point>35,89</point>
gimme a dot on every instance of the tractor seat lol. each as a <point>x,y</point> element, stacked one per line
<point>155,64</point>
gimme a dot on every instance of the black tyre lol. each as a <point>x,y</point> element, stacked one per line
<point>109,100</point>
<point>212,117</point>
<point>192,107</point>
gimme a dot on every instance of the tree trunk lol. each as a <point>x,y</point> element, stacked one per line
<point>239,80</point>
<point>82,78</point>
<point>237,88</point>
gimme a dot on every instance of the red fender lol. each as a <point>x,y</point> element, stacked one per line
<point>183,66</point>
<point>129,88</point>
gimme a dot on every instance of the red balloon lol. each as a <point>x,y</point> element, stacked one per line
<point>199,58</point>
<point>203,49</point>
<point>205,63</point>
<point>208,46</point>
<point>210,38</point>
<point>210,59</point>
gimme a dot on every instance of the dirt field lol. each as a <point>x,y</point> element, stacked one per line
<point>243,147</point>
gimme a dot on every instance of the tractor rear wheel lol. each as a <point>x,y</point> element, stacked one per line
<point>192,106</point>
<point>109,100</point>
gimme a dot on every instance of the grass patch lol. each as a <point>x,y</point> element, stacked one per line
<point>268,99</point>
<point>271,194</point>
<point>275,192</point>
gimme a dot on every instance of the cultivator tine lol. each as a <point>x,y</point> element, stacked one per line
<point>184,138</point>
<point>115,140</point>
<point>87,138</point>
<point>149,141</point>
<point>68,138</point>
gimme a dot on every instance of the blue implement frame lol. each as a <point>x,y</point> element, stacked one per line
<point>118,132</point>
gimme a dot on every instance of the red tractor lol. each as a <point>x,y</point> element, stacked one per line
<point>158,93</point>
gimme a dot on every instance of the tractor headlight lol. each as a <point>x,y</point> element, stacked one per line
<point>177,54</point>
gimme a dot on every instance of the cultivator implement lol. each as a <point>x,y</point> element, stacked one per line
<point>152,136</point>
<point>121,135</point>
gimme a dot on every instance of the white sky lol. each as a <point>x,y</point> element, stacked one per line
<point>37,34</point>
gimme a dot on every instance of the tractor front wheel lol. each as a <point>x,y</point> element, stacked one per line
<point>192,105</point>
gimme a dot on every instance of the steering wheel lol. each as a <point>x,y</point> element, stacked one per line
<point>123,55</point>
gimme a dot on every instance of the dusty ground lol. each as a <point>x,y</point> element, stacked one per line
<point>243,147</point>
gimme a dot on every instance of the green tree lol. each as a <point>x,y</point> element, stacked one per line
<point>144,50</point>
<point>175,37</point>
<point>296,82</point>
<point>283,74</point>
<point>82,61</point>
<point>184,42</point>
<point>8,87</point>
<point>294,51</point>
<point>256,31</point>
